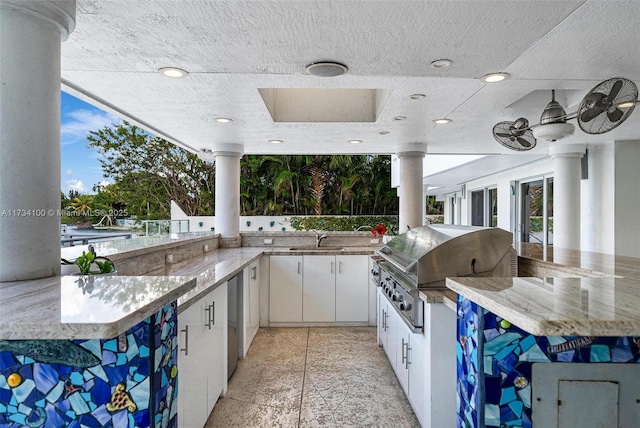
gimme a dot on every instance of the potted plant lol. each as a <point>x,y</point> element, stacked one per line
<point>90,264</point>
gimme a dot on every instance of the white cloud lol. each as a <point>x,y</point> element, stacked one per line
<point>74,184</point>
<point>69,172</point>
<point>77,124</point>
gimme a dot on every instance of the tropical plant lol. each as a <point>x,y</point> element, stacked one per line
<point>88,259</point>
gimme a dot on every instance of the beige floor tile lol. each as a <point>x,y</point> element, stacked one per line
<point>314,377</point>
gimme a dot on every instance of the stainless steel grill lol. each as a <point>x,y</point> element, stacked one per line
<point>423,257</point>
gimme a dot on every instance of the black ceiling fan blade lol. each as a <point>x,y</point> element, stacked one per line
<point>615,115</point>
<point>614,90</point>
<point>523,142</point>
<point>590,114</point>
<point>503,135</point>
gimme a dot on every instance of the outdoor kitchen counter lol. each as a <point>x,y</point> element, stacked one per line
<point>81,307</point>
<point>69,307</point>
<point>217,266</point>
<point>558,306</point>
<point>537,260</point>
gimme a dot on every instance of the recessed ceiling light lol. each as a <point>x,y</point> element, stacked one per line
<point>383,132</point>
<point>441,63</point>
<point>495,77</point>
<point>442,121</point>
<point>275,141</point>
<point>400,118</point>
<point>223,120</point>
<point>355,141</point>
<point>326,69</point>
<point>416,96</point>
<point>173,72</point>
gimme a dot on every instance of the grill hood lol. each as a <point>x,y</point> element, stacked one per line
<point>427,255</point>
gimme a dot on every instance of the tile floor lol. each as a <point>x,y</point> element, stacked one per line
<point>314,377</point>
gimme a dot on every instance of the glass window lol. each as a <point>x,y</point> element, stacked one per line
<point>493,207</point>
<point>477,208</point>
<point>550,211</point>
<point>532,212</point>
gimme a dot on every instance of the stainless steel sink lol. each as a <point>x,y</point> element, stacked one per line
<point>314,248</point>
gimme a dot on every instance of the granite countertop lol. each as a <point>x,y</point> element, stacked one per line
<point>84,307</point>
<point>607,264</point>
<point>136,245</point>
<point>214,268</point>
<point>558,306</point>
<point>101,307</point>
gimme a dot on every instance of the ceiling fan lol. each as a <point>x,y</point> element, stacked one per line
<point>604,108</point>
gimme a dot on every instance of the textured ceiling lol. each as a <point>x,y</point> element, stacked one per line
<point>233,48</point>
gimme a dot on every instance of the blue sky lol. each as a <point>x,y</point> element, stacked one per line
<point>80,166</point>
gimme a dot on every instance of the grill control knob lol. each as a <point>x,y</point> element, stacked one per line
<point>405,306</point>
<point>397,297</point>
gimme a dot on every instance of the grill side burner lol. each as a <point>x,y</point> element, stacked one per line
<point>423,257</point>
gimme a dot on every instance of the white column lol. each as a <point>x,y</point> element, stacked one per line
<point>410,190</point>
<point>566,194</point>
<point>228,194</point>
<point>30,36</point>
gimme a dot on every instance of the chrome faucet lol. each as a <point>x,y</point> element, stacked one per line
<point>361,227</point>
<point>319,238</point>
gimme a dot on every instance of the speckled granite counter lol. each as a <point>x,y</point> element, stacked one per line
<point>537,260</point>
<point>81,307</point>
<point>558,306</point>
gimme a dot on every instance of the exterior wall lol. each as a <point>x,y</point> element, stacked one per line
<point>610,197</point>
<point>627,198</point>
<point>502,180</point>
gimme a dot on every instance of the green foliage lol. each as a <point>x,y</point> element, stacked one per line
<point>86,260</point>
<point>344,223</point>
<point>105,266</point>
<point>304,185</point>
<point>150,172</point>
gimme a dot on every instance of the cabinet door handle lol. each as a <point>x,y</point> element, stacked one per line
<point>406,366</point>
<point>212,320</point>
<point>339,267</point>
<point>254,273</point>
<point>404,357</point>
<point>208,320</point>
<point>299,266</point>
<point>384,319</point>
<point>332,267</point>
<point>186,340</point>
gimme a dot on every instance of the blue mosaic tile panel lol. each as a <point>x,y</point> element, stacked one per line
<point>127,381</point>
<point>165,373</point>
<point>495,358</point>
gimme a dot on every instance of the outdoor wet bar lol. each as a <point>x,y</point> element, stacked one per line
<point>90,351</point>
<point>547,352</point>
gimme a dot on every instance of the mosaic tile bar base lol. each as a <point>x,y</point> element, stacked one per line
<point>494,360</point>
<point>127,381</point>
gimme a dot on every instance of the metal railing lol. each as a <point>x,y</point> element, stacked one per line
<point>86,239</point>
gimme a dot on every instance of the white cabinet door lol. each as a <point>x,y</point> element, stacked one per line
<point>254,296</point>
<point>416,375</point>
<point>403,336</point>
<point>193,361</point>
<point>251,304</point>
<point>285,289</point>
<point>215,338</point>
<point>352,288</point>
<point>319,289</point>
<point>390,334</point>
